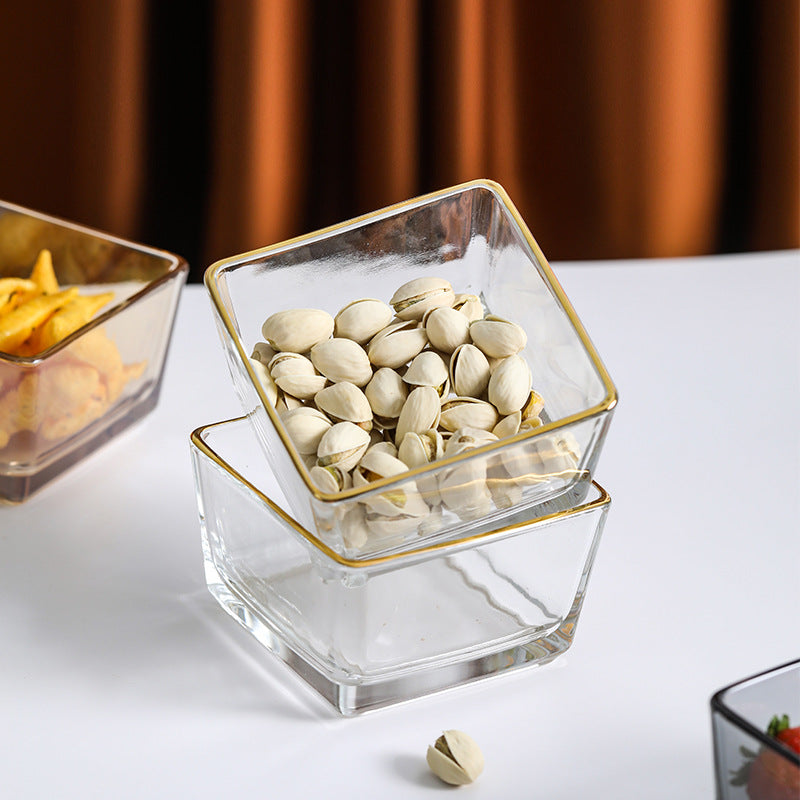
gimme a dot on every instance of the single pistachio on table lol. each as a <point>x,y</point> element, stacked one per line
<point>345,402</point>
<point>295,375</point>
<point>469,371</point>
<point>428,369</point>
<point>397,344</point>
<point>455,758</point>
<point>415,297</point>
<point>421,412</point>
<point>342,360</point>
<point>342,446</point>
<point>510,385</point>
<point>498,337</point>
<point>298,329</point>
<point>306,427</point>
<point>361,319</point>
<point>387,394</point>
<point>446,328</point>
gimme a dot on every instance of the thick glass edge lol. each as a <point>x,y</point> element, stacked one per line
<point>178,268</point>
<point>718,706</point>
<point>199,443</point>
<point>211,275</point>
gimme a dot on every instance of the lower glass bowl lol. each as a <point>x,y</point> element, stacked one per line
<point>369,633</point>
<point>750,763</point>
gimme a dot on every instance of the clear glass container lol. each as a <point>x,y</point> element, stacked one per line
<point>750,764</point>
<point>59,405</point>
<point>472,236</point>
<point>369,633</point>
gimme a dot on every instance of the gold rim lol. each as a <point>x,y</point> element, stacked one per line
<point>607,404</point>
<point>200,444</point>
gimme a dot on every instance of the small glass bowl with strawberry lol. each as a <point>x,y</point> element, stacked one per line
<point>756,725</point>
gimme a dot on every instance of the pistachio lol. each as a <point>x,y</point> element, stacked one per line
<point>402,499</point>
<point>295,375</point>
<point>342,446</point>
<point>362,319</point>
<point>386,394</point>
<point>469,305</point>
<point>455,758</point>
<point>330,479</point>
<point>344,401</point>
<point>383,447</point>
<point>397,344</point>
<point>415,297</point>
<point>342,360</point>
<point>428,369</point>
<point>265,379</point>
<point>510,385</point>
<point>420,413</point>
<point>508,426</point>
<point>446,328</point>
<point>305,426</point>
<point>286,402</point>
<point>262,352</point>
<point>467,412</point>
<point>533,406</point>
<point>468,439</point>
<point>469,371</point>
<point>297,329</point>
<point>419,449</point>
<point>498,337</point>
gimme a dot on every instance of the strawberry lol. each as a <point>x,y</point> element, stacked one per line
<point>771,776</point>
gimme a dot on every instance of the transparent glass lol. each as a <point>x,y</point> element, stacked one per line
<point>60,405</point>
<point>366,634</point>
<point>750,765</point>
<point>472,236</point>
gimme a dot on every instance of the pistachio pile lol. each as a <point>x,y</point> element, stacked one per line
<point>383,387</point>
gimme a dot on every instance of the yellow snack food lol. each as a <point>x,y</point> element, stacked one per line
<point>43,274</point>
<point>19,324</point>
<point>66,320</point>
<point>14,291</point>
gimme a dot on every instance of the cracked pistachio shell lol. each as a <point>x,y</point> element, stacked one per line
<point>305,426</point>
<point>265,379</point>
<point>342,360</point>
<point>402,499</point>
<point>510,385</point>
<point>462,488</point>
<point>446,328</point>
<point>345,402</point>
<point>285,403</point>
<point>288,363</point>
<point>387,394</point>
<point>383,447</point>
<point>533,406</point>
<point>428,369</point>
<point>354,529</point>
<point>415,297</point>
<point>297,329</point>
<point>469,305</point>
<point>342,446</point>
<point>468,439</point>
<point>469,371</point>
<point>468,412</point>
<point>392,529</point>
<point>498,337</point>
<point>362,319</point>
<point>417,449</point>
<point>420,413</point>
<point>330,479</point>
<point>455,758</point>
<point>295,375</point>
<point>397,344</point>
<point>262,352</point>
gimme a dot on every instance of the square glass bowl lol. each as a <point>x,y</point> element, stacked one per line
<point>750,764</point>
<point>60,405</point>
<point>472,236</point>
<point>367,634</point>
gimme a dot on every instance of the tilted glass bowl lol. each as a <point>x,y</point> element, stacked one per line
<point>472,236</point>
<point>59,405</point>
<point>369,633</point>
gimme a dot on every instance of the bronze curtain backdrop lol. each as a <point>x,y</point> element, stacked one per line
<point>621,128</point>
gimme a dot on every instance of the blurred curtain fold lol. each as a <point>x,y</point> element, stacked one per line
<point>622,128</point>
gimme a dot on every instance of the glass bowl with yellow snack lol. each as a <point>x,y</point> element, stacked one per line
<point>85,322</point>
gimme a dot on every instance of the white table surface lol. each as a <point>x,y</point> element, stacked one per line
<point>121,678</point>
